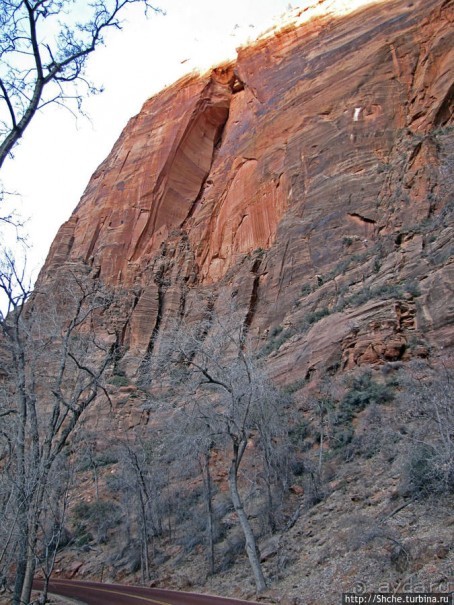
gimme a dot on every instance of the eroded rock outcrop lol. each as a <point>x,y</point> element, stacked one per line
<point>310,181</point>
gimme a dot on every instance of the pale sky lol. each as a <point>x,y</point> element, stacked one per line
<point>58,154</point>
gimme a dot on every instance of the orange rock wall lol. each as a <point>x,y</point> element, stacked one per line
<point>323,144</point>
<point>150,181</point>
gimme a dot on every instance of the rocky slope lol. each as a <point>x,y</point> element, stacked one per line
<point>310,181</point>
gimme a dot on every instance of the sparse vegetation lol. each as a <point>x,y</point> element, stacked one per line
<point>384,292</point>
<point>364,391</point>
<point>367,531</point>
<point>98,461</point>
<point>279,335</point>
<point>428,468</point>
<point>99,516</point>
<point>293,387</point>
<point>306,289</point>
<point>119,380</point>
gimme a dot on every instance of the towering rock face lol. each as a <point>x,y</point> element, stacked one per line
<point>310,181</point>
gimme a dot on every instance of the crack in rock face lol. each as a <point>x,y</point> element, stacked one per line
<point>185,176</point>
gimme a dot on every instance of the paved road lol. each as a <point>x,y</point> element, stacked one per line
<point>94,593</point>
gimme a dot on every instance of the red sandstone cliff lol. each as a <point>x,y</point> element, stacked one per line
<point>326,143</point>
<point>311,182</point>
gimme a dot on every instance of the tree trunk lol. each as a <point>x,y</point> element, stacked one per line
<point>251,545</point>
<point>270,506</point>
<point>21,494</point>
<point>20,572</point>
<point>145,552</point>
<point>209,506</point>
<point>28,580</point>
<point>322,437</point>
<point>16,133</point>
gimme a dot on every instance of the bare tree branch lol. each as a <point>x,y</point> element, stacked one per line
<point>36,71</point>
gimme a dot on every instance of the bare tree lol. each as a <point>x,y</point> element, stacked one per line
<point>52,370</point>
<point>52,534</point>
<point>427,397</point>
<point>366,530</point>
<point>195,449</point>
<point>204,460</point>
<point>141,479</point>
<point>230,402</point>
<point>273,446</point>
<point>44,47</point>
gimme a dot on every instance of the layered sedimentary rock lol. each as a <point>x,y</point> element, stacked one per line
<point>310,181</point>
